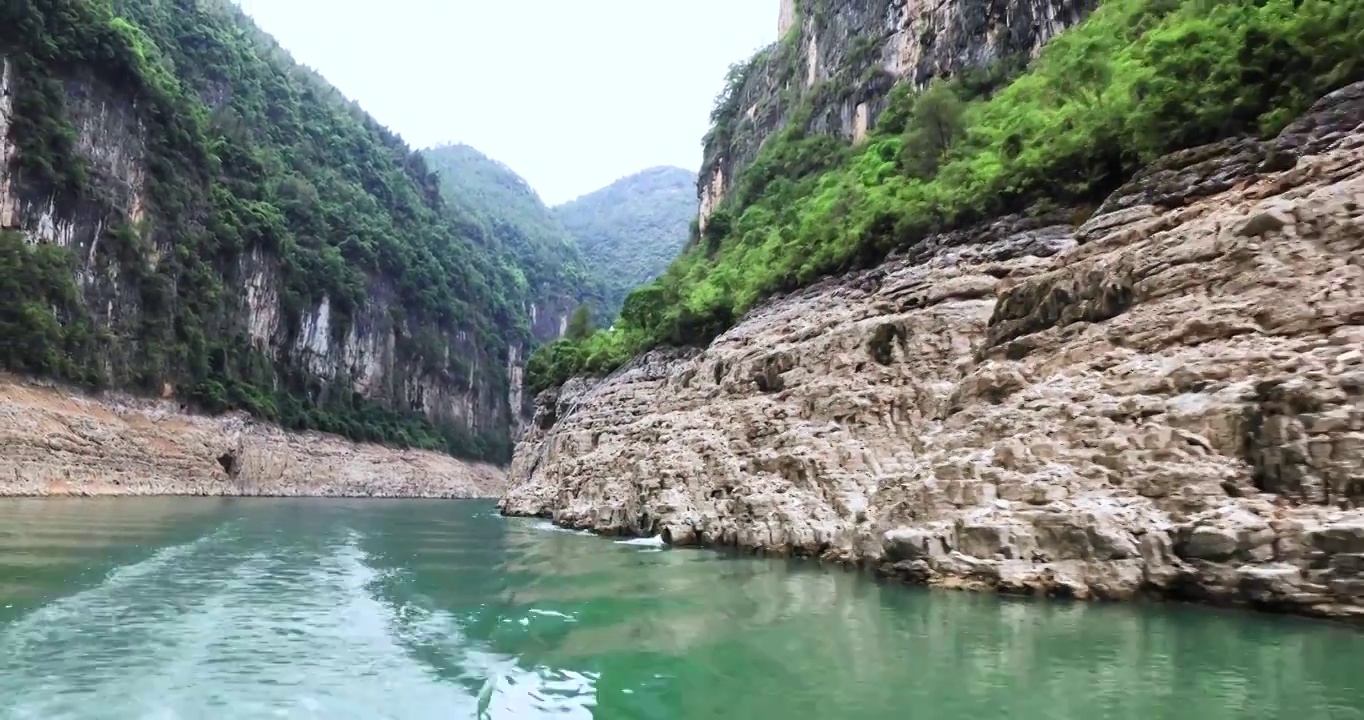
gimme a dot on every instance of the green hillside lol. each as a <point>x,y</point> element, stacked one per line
<point>1136,79</point>
<point>632,229</point>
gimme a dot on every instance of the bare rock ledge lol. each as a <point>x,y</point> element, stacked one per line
<point>1167,400</point>
<point>56,442</point>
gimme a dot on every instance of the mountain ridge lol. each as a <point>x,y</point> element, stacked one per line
<point>631,229</point>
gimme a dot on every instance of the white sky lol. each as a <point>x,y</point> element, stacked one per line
<point>571,94</point>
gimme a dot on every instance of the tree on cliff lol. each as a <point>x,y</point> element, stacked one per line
<point>580,325</point>
<point>935,122</point>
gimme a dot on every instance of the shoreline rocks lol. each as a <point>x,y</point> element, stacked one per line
<point>1166,400</point>
<point>61,443</point>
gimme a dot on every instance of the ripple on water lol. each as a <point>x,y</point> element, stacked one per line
<point>305,609</point>
<point>209,624</point>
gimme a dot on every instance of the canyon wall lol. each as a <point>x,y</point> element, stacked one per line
<point>839,59</point>
<point>1167,398</point>
<point>362,355</point>
<point>186,212</point>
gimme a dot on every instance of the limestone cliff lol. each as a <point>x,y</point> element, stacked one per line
<point>839,59</point>
<point>187,213</point>
<point>62,443</point>
<point>1168,399</point>
<point>364,354</point>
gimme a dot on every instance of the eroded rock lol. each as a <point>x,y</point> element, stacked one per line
<point>1169,400</point>
<point>62,443</point>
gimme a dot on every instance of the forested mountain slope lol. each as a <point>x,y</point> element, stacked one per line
<point>537,250</point>
<point>187,212</point>
<point>589,251</point>
<point>960,137</point>
<point>629,231</point>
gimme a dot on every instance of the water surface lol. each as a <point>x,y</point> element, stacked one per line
<point>234,608</point>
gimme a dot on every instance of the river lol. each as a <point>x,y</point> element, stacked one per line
<point>234,608</point>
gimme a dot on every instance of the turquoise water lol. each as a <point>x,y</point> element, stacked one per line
<point>199,608</point>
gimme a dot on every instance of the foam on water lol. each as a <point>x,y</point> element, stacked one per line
<point>135,651</point>
<point>315,609</point>
<point>650,542</point>
<point>548,526</point>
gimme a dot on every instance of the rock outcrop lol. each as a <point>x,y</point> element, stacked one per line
<point>1167,399</point>
<point>842,58</point>
<point>58,443</point>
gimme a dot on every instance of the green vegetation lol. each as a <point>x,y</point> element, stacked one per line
<point>580,326</point>
<point>1137,79</point>
<point>530,241</point>
<point>248,155</point>
<point>630,230</point>
<point>42,323</point>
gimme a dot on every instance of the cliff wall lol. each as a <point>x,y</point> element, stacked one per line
<point>362,354</point>
<point>1167,399</point>
<point>187,213</point>
<point>837,60</point>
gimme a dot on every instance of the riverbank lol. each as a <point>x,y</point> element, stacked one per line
<point>59,442</point>
<point>1166,399</point>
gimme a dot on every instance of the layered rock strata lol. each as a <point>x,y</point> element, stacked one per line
<point>1167,399</point>
<point>53,442</point>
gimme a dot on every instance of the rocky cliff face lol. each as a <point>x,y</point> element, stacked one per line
<point>548,322</point>
<point>840,59</point>
<point>549,317</point>
<point>60,443</point>
<point>452,380</point>
<point>1168,398</point>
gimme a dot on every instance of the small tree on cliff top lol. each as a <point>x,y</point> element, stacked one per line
<point>580,325</point>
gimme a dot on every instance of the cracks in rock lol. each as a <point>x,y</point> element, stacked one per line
<point>1274,443</point>
<point>882,344</point>
<point>1061,299</point>
<point>230,464</point>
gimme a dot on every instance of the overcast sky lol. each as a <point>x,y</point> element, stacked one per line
<point>571,94</point>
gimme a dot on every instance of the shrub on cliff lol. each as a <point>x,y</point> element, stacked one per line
<point>1135,80</point>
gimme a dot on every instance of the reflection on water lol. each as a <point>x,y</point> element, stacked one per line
<point>230,608</point>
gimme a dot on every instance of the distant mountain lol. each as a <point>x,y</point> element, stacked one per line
<point>630,230</point>
<point>593,250</point>
<point>542,251</point>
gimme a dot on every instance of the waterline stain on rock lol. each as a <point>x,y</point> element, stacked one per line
<point>60,442</point>
<point>1152,403</point>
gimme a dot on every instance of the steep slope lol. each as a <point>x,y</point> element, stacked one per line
<point>539,250</point>
<point>186,212</point>
<point>630,230</point>
<point>1168,398</point>
<point>835,65</point>
<point>1135,80</point>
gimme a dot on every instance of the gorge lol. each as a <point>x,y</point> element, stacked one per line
<point>1055,300</point>
<point>190,219</point>
<point>1044,297</point>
